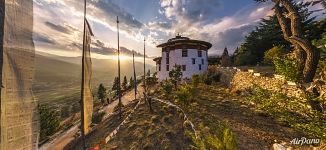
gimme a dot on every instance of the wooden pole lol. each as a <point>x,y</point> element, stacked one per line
<point>145,94</point>
<point>135,79</point>
<point>119,73</point>
<point>82,86</point>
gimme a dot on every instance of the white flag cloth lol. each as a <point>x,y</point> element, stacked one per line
<point>19,115</point>
<point>87,97</point>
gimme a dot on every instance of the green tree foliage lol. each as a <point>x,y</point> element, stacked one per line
<point>268,34</point>
<point>175,76</point>
<point>49,122</point>
<point>274,53</point>
<point>115,85</point>
<point>131,82</point>
<point>124,84</point>
<point>185,94</point>
<point>195,80</point>
<point>151,81</point>
<point>167,87</point>
<point>101,93</point>
<point>321,44</point>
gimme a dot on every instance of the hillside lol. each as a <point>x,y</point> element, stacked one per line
<point>58,77</point>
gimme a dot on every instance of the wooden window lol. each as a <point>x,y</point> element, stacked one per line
<point>199,53</point>
<point>167,68</point>
<point>193,60</point>
<point>183,67</point>
<point>167,60</point>
<point>184,53</point>
<point>199,66</point>
<point>167,54</point>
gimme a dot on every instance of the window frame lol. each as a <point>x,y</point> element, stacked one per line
<point>199,53</point>
<point>184,53</point>
<point>184,67</point>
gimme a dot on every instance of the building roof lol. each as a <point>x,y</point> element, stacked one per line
<point>157,59</point>
<point>179,40</point>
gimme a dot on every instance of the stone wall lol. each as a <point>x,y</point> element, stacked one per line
<point>240,80</point>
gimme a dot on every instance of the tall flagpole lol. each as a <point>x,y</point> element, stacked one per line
<point>82,86</point>
<point>145,72</point>
<point>119,88</point>
<point>135,79</point>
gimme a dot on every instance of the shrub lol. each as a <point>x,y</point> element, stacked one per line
<point>175,75</point>
<point>206,78</point>
<point>212,140</point>
<point>185,94</point>
<point>288,68</point>
<point>167,87</point>
<point>274,53</point>
<point>97,117</point>
<point>195,80</point>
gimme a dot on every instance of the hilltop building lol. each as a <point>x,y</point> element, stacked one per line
<point>190,54</point>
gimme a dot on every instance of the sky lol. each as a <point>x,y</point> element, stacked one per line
<point>58,24</point>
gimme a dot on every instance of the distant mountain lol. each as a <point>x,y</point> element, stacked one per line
<point>57,76</point>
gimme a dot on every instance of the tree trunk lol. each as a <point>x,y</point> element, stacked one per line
<point>307,55</point>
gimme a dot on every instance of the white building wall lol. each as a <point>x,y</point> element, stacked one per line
<point>177,59</point>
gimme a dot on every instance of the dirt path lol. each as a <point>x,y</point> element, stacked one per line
<point>253,130</point>
<point>61,141</point>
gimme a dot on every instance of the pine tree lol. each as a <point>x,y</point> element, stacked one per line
<point>175,76</point>
<point>131,82</point>
<point>101,93</point>
<point>115,85</point>
<point>124,84</point>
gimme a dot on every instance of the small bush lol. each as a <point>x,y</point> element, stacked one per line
<point>167,87</point>
<point>288,68</point>
<point>211,140</point>
<point>98,117</point>
<point>185,94</point>
<point>195,80</point>
<point>274,53</point>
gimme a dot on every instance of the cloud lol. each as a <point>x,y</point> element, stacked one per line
<point>160,24</point>
<point>198,19</point>
<point>59,28</point>
<point>43,38</point>
<point>54,32</point>
<point>193,10</point>
<point>105,12</point>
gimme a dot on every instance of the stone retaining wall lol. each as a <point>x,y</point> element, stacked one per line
<point>240,80</point>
